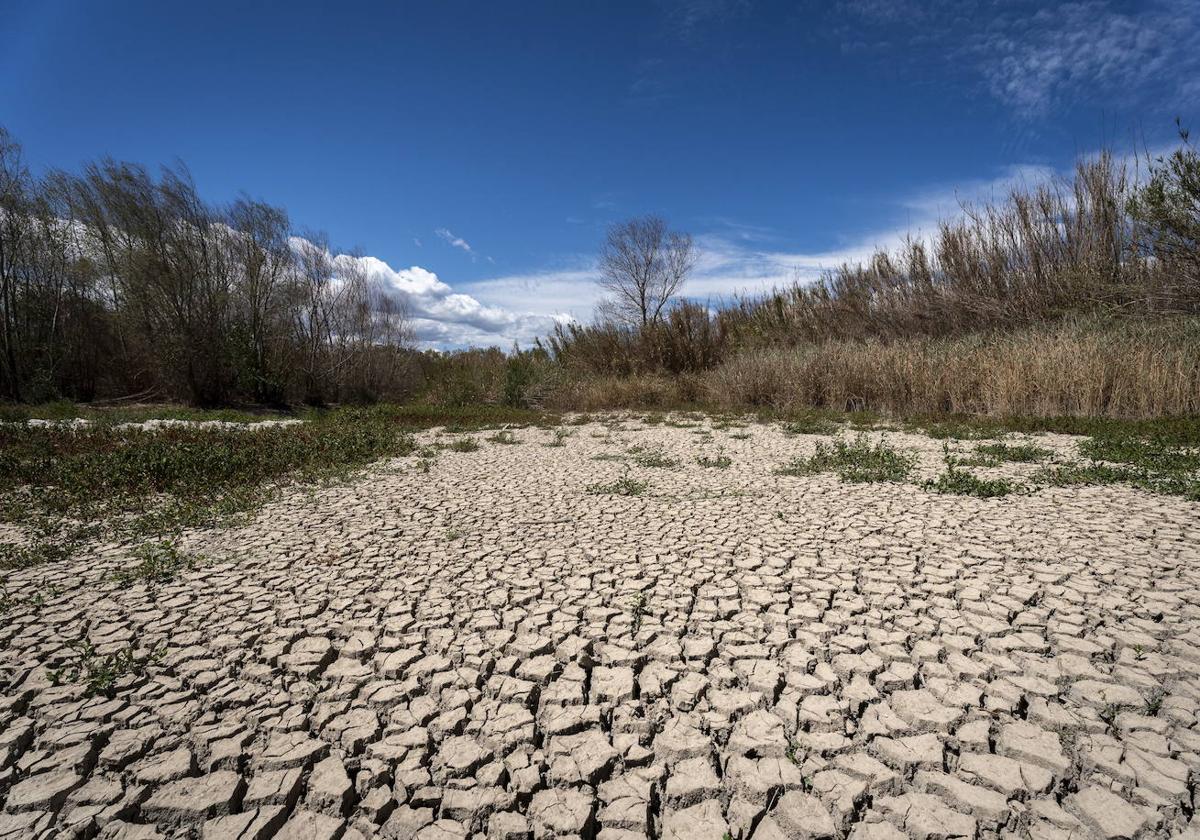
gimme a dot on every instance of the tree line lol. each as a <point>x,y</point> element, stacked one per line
<point>117,282</point>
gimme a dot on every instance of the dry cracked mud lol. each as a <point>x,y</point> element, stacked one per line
<point>486,649</point>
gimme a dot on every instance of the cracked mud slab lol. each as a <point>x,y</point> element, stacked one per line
<point>485,649</point>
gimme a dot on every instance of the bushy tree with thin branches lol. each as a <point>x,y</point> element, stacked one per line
<point>643,266</point>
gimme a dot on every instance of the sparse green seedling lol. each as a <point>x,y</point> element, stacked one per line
<point>740,435</point>
<point>958,482</point>
<point>505,437</point>
<point>720,461</point>
<point>158,562</point>
<point>7,600</point>
<point>101,673</point>
<point>425,464</point>
<point>623,486</point>
<point>453,534</point>
<point>856,462</point>
<point>464,444</point>
<point>1154,702</point>
<point>1108,714</point>
<point>1020,453</point>
<point>653,458</point>
<point>810,425</point>
<point>560,437</point>
<point>637,610</point>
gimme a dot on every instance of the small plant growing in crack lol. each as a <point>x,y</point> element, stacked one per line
<point>1108,714</point>
<point>637,611</point>
<point>158,562</point>
<point>855,462</point>
<point>959,482</point>
<point>464,444</point>
<point>7,600</point>
<point>1139,653</point>
<point>453,534</point>
<point>720,461</point>
<point>626,485</point>
<point>560,437</point>
<point>1154,702</point>
<point>653,458</point>
<point>100,673</point>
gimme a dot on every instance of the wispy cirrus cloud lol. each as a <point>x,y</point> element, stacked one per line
<point>454,241</point>
<point>1072,50</point>
<point>1036,57</point>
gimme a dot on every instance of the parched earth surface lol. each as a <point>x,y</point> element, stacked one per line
<point>481,647</point>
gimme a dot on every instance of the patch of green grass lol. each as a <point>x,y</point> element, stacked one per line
<point>51,539</point>
<point>623,486</point>
<point>100,674</point>
<point>816,424</point>
<point>66,410</point>
<point>855,462</point>
<point>958,428</point>
<point>1150,454</point>
<point>720,461</point>
<point>653,458</point>
<point>1154,464</point>
<point>463,444</point>
<point>1078,473</point>
<point>560,437</point>
<point>740,435</point>
<point>158,562</point>
<point>71,471</point>
<point>1021,453</point>
<point>960,482</point>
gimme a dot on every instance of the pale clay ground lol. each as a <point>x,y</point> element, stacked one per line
<point>451,654</point>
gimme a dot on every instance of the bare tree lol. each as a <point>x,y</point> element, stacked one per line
<point>643,265</point>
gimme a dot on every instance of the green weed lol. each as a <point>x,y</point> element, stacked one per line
<point>855,462</point>
<point>158,562</point>
<point>100,674</point>
<point>1021,453</point>
<point>653,458</point>
<point>623,486</point>
<point>720,461</point>
<point>560,437</point>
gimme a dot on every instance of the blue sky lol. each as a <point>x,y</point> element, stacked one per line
<point>476,151</point>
